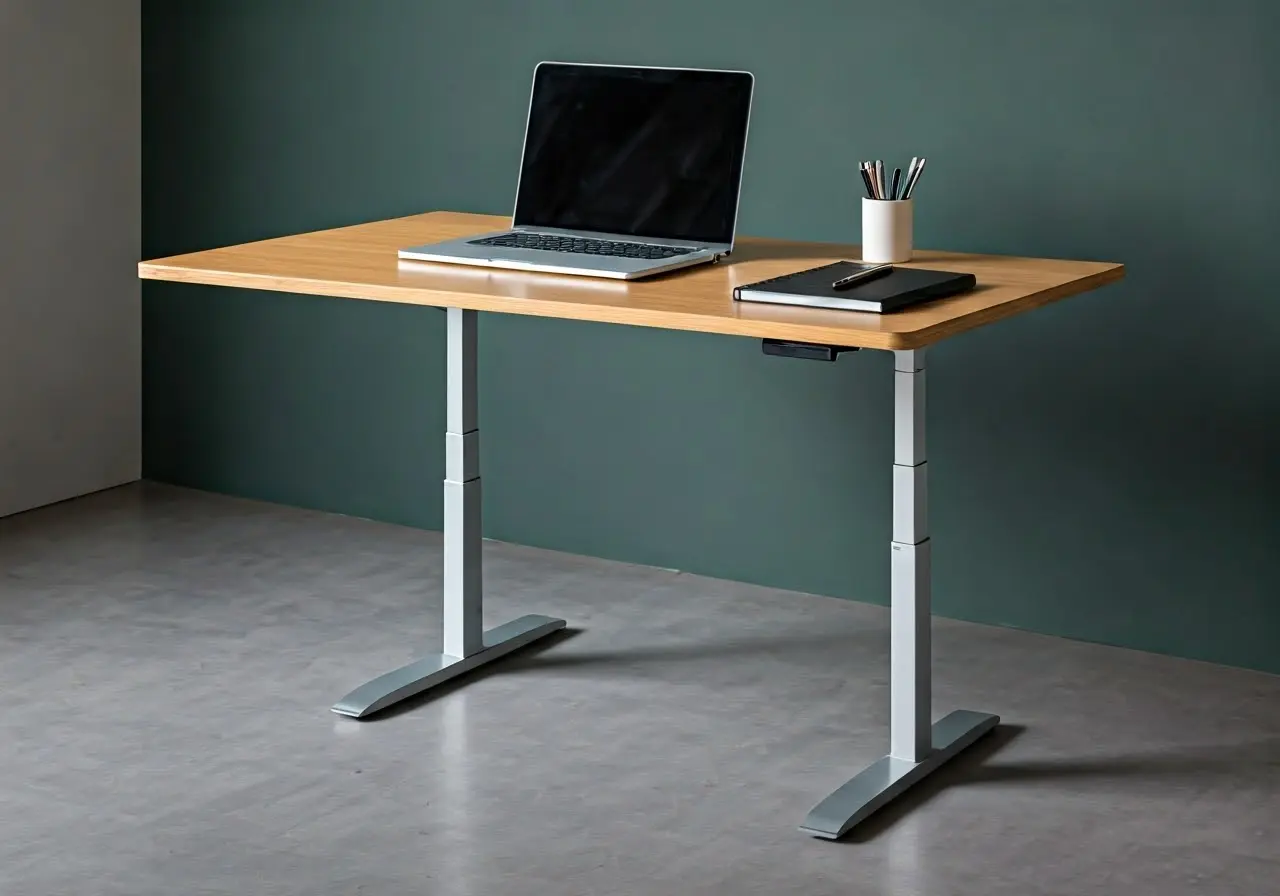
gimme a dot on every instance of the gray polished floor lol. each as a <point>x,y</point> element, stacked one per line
<point>167,659</point>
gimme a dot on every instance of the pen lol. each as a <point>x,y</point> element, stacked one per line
<point>880,179</point>
<point>914,179</point>
<point>911,172</point>
<point>897,176</point>
<point>862,276</point>
<point>911,177</point>
<point>866,179</point>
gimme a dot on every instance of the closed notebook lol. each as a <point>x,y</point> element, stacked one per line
<point>812,287</point>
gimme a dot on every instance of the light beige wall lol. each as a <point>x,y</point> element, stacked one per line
<point>70,223</point>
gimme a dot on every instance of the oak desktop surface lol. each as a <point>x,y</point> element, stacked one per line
<point>360,262</point>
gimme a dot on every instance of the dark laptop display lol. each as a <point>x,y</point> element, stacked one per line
<point>640,152</point>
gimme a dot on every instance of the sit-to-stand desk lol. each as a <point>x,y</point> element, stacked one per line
<point>360,262</point>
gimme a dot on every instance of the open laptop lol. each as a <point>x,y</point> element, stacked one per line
<point>626,172</point>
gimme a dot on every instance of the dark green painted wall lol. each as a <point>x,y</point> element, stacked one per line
<point>1108,468</point>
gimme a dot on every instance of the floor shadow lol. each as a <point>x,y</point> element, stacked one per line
<point>773,645</point>
<point>536,657</point>
<point>1256,762</point>
<point>1200,763</point>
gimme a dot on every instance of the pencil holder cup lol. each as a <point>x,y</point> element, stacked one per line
<point>886,230</point>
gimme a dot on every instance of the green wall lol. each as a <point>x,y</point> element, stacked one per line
<point>1107,468</point>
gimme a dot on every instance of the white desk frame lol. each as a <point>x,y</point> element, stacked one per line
<point>916,747</point>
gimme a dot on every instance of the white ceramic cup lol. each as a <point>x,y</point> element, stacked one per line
<point>886,230</point>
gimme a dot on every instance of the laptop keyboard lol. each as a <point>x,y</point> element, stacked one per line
<point>552,243</point>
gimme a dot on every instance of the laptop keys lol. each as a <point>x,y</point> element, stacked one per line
<point>552,243</point>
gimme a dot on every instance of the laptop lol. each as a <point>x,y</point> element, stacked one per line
<point>626,172</point>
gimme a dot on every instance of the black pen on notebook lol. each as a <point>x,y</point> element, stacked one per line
<point>862,276</point>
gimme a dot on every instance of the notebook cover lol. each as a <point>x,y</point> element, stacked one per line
<point>812,287</point>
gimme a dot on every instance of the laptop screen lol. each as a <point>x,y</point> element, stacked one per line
<point>635,151</point>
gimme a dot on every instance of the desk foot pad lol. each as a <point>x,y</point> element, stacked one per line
<point>868,791</point>
<point>438,668</point>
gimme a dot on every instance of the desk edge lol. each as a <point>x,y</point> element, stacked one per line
<point>888,341</point>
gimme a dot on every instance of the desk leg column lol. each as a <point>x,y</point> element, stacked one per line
<point>463,534</point>
<point>910,668</point>
<point>915,747</point>
<point>465,645</point>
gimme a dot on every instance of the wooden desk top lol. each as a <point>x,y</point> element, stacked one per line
<point>360,262</point>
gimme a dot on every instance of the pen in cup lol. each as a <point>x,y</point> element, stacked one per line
<point>898,187</point>
<point>913,179</point>
<point>866,180</point>
<point>870,169</point>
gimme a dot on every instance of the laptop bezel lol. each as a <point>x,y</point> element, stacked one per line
<point>719,248</point>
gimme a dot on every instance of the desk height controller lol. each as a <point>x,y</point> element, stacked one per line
<point>808,351</point>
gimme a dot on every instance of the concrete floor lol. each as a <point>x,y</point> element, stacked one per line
<point>168,658</point>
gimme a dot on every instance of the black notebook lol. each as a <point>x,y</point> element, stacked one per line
<point>812,287</point>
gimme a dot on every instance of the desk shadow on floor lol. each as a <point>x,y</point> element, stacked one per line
<point>1257,761</point>
<point>1253,765</point>
<point>536,657</point>
<point>800,643</point>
